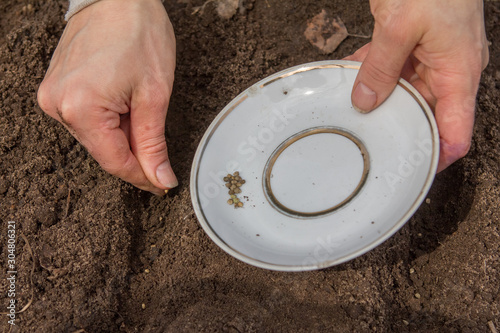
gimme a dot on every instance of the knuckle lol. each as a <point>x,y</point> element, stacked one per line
<point>381,74</point>
<point>154,99</point>
<point>44,97</point>
<point>156,102</point>
<point>67,110</point>
<point>153,146</point>
<point>385,13</point>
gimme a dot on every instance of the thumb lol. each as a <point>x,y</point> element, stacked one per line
<point>147,140</point>
<point>390,48</point>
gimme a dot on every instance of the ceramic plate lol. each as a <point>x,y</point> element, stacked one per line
<point>324,183</point>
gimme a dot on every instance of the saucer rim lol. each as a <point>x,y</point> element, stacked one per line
<point>233,104</point>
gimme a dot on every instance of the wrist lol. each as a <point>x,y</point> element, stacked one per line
<point>76,6</point>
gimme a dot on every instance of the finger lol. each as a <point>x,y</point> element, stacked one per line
<point>99,131</point>
<point>455,120</point>
<point>360,54</point>
<point>390,47</point>
<point>125,125</point>
<point>108,144</point>
<point>147,137</point>
<point>410,74</point>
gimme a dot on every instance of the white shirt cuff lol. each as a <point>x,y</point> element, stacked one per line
<point>76,5</point>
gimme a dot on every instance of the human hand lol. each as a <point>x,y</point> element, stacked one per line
<point>440,47</point>
<point>109,83</point>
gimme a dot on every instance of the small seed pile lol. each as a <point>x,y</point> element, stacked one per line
<point>233,183</point>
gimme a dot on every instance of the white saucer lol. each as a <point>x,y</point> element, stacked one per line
<point>324,183</point>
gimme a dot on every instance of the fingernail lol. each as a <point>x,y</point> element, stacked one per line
<point>363,98</point>
<point>166,176</point>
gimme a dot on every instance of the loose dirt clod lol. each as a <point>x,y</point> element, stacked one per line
<point>225,8</point>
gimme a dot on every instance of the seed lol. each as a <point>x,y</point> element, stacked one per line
<point>236,200</point>
<point>233,187</point>
<point>237,190</point>
<point>228,175</point>
<point>146,270</point>
<point>228,185</point>
<point>143,306</point>
<point>236,173</point>
<point>226,179</point>
<point>243,181</point>
<point>240,204</point>
<point>230,202</point>
<point>233,181</point>
<point>237,178</point>
<point>233,196</point>
<point>417,295</point>
<point>238,184</point>
<point>412,270</point>
<point>230,192</point>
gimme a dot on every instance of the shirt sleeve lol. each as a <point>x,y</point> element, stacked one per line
<point>76,5</point>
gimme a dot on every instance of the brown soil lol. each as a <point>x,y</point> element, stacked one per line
<point>93,236</point>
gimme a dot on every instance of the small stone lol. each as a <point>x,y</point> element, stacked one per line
<point>153,252</point>
<point>406,322</point>
<point>146,270</point>
<point>412,270</point>
<point>417,296</point>
<point>427,201</point>
<point>143,306</point>
<point>419,234</point>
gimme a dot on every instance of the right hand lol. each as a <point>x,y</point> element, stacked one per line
<point>109,83</point>
<point>440,47</point>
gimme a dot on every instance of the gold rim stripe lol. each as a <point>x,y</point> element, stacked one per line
<point>268,191</point>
